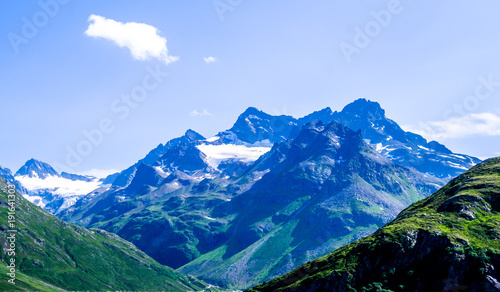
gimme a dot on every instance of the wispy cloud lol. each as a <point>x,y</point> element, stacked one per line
<point>204,113</point>
<point>474,124</point>
<point>210,60</point>
<point>143,40</point>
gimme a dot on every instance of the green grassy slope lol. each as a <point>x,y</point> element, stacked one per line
<point>449,241</point>
<point>52,255</point>
<point>23,282</point>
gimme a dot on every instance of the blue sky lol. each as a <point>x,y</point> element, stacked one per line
<point>433,66</point>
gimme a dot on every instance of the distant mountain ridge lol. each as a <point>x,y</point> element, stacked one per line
<point>402,147</point>
<point>9,177</point>
<point>42,185</point>
<point>75,177</point>
<point>386,136</point>
<point>126,176</point>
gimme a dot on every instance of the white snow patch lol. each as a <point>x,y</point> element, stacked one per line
<point>213,139</point>
<point>67,203</point>
<point>379,147</point>
<point>37,200</point>
<point>250,125</point>
<point>445,156</point>
<point>209,218</point>
<point>253,117</point>
<point>456,165</point>
<point>208,176</point>
<point>218,153</point>
<point>233,139</point>
<point>264,143</point>
<point>422,147</point>
<point>59,185</point>
<point>161,171</point>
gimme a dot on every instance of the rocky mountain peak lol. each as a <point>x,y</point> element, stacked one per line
<point>253,111</point>
<point>193,136</point>
<point>254,126</point>
<point>36,168</point>
<point>364,108</point>
<point>184,157</point>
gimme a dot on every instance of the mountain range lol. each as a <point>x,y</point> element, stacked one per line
<point>270,193</point>
<point>259,199</point>
<point>383,134</point>
<point>325,188</point>
<point>449,241</point>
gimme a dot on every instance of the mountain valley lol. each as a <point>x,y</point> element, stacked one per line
<point>259,199</point>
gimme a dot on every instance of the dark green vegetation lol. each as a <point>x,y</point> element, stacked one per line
<point>449,241</point>
<point>52,255</point>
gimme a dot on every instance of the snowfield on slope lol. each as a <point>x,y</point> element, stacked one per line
<point>59,185</point>
<point>218,153</point>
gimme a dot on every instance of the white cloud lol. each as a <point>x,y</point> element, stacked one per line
<point>196,113</point>
<point>210,60</point>
<point>141,39</point>
<point>481,124</point>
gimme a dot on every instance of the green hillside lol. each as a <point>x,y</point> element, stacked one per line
<point>449,241</point>
<point>51,255</point>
